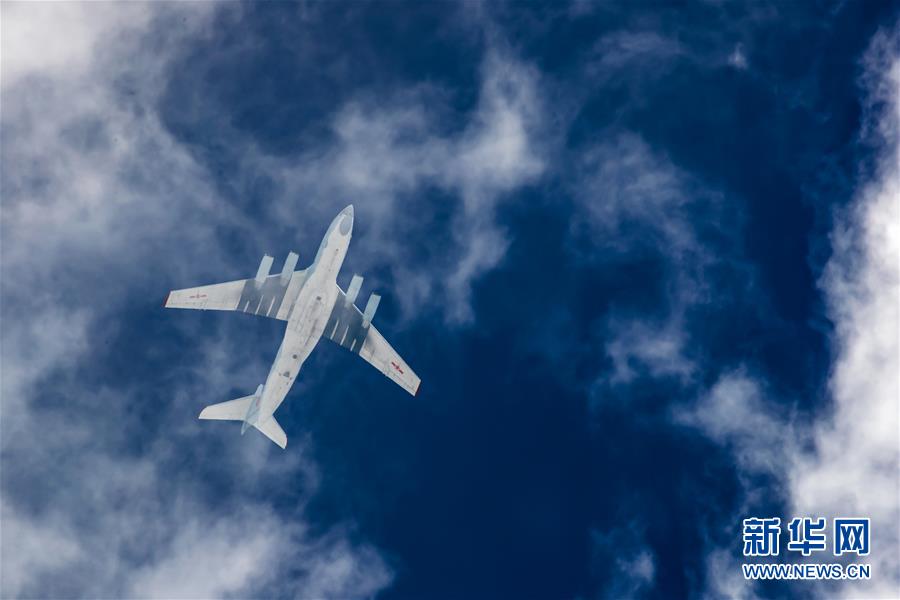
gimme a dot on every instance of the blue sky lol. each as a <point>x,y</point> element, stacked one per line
<point>644,258</point>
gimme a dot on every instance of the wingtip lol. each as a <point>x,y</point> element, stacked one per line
<point>166,301</point>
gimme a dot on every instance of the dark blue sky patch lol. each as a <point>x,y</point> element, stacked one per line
<point>674,486</point>
<point>304,62</point>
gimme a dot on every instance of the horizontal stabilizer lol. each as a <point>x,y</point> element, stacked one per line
<point>232,410</point>
<point>272,430</point>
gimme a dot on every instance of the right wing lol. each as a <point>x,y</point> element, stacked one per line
<point>348,327</point>
<point>380,354</point>
<point>267,296</point>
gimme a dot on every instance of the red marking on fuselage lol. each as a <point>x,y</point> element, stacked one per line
<point>396,366</point>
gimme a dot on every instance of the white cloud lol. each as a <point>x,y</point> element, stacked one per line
<point>41,547</point>
<point>623,182</point>
<point>621,49</point>
<point>45,38</point>
<point>637,347</point>
<point>334,569</point>
<point>187,572</point>
<point>330,567</point>
<point>854,468</point>
<point>734,413</point>
<point>846,463</point>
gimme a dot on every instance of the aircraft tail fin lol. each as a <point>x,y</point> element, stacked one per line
<point>246,409</point>
<point>272,430</point>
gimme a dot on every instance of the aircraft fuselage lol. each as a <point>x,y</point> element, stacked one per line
<point>309,314</point>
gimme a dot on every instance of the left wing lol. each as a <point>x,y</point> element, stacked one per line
<point>264,295</point>
<point>349,327</point>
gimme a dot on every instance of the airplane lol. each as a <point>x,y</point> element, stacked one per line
<point>314,307</point>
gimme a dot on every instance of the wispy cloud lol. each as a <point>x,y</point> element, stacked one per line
<point>386,151</point>
<point>734,412</point>
<point>634,570</point>
<point>635,203</point>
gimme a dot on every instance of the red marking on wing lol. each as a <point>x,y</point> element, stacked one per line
<point>197,296</point>
<point>396,366</point>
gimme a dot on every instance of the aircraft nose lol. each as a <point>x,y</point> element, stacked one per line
<point>346,220</point>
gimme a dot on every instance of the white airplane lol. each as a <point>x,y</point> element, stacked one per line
<point>314,306</point>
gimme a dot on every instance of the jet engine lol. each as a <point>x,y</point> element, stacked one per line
<point>263,272</point>
<point>371,307</point>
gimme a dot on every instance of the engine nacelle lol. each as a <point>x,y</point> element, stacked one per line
<point>264,266</point>
<point>371,307</point>
<point>353,290</point>
<point>288,269</point>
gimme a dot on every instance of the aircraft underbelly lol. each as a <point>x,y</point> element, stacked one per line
<point>305,328</point>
